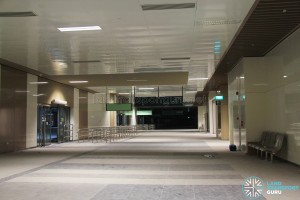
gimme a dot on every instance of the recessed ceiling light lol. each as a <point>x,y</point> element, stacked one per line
<point>22,91</point>
<point>190,91</point>
<point>284,76</point>
<point>242,77</point>
<point>194,79</point>
<point>81,28</point>
<point>38,83</point>
<point>146,88</point>
<point>38,95</point>
<point>78,81</point>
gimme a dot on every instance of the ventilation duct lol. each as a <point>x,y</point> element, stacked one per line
<point>17,14</point>
<point>168,6</point>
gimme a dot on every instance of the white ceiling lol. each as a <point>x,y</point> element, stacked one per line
<point>131,40</point>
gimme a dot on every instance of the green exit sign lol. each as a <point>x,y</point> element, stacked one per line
<point>219,98</point>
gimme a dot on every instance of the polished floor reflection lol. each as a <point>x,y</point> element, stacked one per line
<point>156,165</point>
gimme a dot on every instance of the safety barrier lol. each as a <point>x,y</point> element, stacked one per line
<point>106,134</point>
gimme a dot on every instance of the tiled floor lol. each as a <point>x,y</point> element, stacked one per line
<point>157,165</point>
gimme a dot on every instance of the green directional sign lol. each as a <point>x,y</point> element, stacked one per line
<point>219,98</point>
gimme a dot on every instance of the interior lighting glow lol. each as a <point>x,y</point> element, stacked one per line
<point>38,83</point>
<point>194,79</point>
<point>82,28</point>
<point>78,81</point>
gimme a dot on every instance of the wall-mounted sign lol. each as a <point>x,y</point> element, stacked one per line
<point>158,101</point>
<point>144,112</point>
<point>118,107</point>
<point>219,98</point>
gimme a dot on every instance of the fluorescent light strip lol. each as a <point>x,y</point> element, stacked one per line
<point>38,95</point>
<point>38,83</point>
<point>123,93</point>
<point>190,91</point>
<point>78,81</point>
<point>195,79</point>
<point>22,91</point>
<point>82,28</point>
<point>146,88</point>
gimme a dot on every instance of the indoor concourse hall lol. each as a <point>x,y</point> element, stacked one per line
<point>153,165</point>
<point>149,99</point>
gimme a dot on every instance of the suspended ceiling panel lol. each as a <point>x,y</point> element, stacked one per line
<point>269,23</point>
<point>132,40</point>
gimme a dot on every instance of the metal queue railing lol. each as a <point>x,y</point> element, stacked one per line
<point>106,134</point>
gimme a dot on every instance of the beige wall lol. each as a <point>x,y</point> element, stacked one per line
<point>224,114</point>
<point>31,115</point>
<point>13,109</point>
<point>54,90</point>
<point>83,109</point>
<point>97,114</point>
<point>272,101</point>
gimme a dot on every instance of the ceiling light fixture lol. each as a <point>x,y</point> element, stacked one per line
<point>38,83</point>
<point>38,95</point>
<point>284,76</point>
<point>22,91</point>
<point>195,79</point>
<point>146,88</point>
<point>242,77</point>
<point>78,81</point>
<point>123,93</point>
<point>190,91</point>
<point>82,28</point>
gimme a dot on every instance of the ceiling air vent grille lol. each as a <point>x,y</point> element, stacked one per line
<point>177,58</point>
<point>167,6</point>
<point>217,22</point>
<point>145,70</point>
<point>17,14</point>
